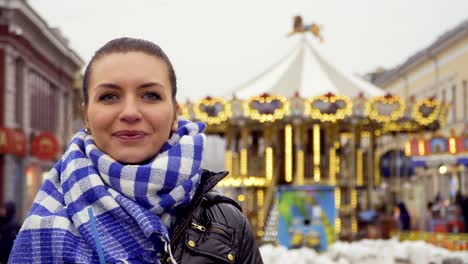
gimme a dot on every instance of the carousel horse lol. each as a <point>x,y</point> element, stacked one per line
<point>299,27</point>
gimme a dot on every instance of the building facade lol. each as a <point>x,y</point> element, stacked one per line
<point>440,71</point>
<point>37,79</point>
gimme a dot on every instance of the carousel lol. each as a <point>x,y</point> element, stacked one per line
<point>305,123</point>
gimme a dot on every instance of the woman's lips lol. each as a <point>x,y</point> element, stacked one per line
<point>126,135</point>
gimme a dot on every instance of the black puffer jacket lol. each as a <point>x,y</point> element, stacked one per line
<point>213,229</point>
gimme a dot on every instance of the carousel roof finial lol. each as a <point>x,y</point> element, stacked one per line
<point>299,27</point>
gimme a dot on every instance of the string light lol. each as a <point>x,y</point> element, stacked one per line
<point>332,168</point>
<point>277,114</point>
<point>228,160</point>
<point>260,208</point>
<point>288,153</point>
<point>421,148</point>
<point>428,103</point>
<point>408,148</point>
<point>184,111</point>
<point>269,163</point>
<point>359,167</point>
<point>337,198</point>
<point>374,114</point>
<point>337,157</point>
<point>316,150</point>
<point>452,145</point>
<point>340,114</point>
<point>243,181</point>
<point>260,198</point>
<point>337,225</point>
<point>354,225</point>
<point>243,161</point>
<point>353,198</point>
<point>300,167</point>
<point>220,117</point>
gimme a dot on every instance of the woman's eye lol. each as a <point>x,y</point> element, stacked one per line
<point>151,96</point>
<point>108,97</point>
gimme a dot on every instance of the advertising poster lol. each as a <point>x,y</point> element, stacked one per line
<point>306,216</point>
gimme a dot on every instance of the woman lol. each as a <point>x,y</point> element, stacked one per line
<point>129,188</point>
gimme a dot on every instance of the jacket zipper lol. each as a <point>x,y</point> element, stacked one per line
<point>199,227</point>
<point>203,229</point>
<point>183,226</point>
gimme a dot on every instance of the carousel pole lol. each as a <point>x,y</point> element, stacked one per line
<point>244,151</point>
<point>268,132</point>
<point>370,166</point>
<point>316,151</point>
<point>357,170</point>
<point>288,153</point>
<point>229,150</point>
<point>299,147</point>
<point>397,167</point>
<point>331,147</point>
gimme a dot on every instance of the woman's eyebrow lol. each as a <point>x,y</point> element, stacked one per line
<point>150,84</point>
<point>109,85</point>
<point>117,87</point>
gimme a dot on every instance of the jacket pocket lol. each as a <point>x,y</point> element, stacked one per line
<point>212,241</point>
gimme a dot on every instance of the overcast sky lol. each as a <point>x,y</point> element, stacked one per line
<point>216,45</point>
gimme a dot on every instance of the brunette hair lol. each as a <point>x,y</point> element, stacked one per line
<point>124,45</point>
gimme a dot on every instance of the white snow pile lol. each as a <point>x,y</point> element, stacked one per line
<point>366,252</point>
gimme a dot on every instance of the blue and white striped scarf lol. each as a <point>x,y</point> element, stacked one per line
<point>92,208</point>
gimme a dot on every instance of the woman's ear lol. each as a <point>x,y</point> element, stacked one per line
<point>85,116</point>
<point>175,123</point>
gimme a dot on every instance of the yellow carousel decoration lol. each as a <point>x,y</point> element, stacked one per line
<point>303,122</point>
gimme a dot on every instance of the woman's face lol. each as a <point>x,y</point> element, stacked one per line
<point>130,111</point>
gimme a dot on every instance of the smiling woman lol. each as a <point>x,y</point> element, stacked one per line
<point>130,111</point>
<point>130,187</point>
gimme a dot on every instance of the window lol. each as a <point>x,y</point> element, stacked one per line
<point>454,103</point>
<point>44,110</point>
<point>19,89</point>
<point>465,101</point>
<point>67,120</point>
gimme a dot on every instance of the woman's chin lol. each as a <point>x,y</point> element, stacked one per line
<point>133,159</point>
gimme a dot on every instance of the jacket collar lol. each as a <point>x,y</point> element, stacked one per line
<point>209,180</point>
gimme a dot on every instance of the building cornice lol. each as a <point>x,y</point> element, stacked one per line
<point>429,53</point>
<point>23,7</point>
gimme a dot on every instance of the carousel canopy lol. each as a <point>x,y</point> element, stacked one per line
<point>306,71</point>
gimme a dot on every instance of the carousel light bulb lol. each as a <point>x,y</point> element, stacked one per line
<point>443,169</point>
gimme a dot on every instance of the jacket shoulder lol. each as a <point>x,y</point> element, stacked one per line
<point>214,197</point>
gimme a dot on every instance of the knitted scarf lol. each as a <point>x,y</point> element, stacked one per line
<point>93,209</point>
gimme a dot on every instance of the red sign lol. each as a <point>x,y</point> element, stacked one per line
<point>12,141</point>
<point>45,146</point>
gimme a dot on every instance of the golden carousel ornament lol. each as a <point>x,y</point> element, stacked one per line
<point>212,111</point>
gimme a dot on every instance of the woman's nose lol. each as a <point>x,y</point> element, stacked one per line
<point>130,111</point>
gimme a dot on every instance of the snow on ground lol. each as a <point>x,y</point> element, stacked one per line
<point>366,252</point>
